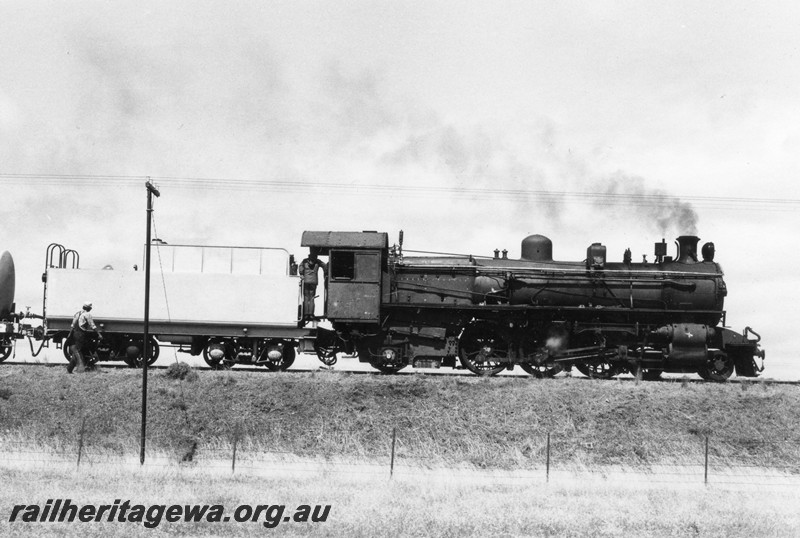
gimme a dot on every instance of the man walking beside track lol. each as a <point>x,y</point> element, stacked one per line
<point>82,326</point>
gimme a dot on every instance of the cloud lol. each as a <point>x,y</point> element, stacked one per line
<point>9,113</point>
<point>236,109</point>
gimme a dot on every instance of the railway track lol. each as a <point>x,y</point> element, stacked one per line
<point>406,372</point>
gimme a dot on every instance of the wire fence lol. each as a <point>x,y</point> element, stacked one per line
<point>243,455</point>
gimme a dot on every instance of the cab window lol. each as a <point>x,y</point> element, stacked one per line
<point>343,265</point>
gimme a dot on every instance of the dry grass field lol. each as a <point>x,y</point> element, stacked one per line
<point>626,457</point>
<point>436,505</point>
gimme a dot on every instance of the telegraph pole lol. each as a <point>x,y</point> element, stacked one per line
<point>151,190</point>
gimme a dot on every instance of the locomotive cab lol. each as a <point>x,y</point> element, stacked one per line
<point>356,269</point>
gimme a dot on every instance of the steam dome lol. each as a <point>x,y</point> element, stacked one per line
<point>537,248</point>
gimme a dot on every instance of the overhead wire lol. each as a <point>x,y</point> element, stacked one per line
<point>615,198</point>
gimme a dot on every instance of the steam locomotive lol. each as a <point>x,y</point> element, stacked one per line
<point>485,314</point>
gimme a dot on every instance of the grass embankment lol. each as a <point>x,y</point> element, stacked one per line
<point>492,423</point>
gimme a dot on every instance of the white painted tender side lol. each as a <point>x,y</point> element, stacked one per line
<point>188,298</point>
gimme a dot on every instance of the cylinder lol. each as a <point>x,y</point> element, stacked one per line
<point>686,342</point>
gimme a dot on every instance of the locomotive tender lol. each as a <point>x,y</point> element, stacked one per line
<point>244,305</point>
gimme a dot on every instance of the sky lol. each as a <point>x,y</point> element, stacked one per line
<point>469,125</point>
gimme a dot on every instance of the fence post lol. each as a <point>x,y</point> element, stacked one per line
<point>548,457</point>
<point>233,459</point>
<point>705,477</point>
<point>80,440</point>
<point>394,440</point>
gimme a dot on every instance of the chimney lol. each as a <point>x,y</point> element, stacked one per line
<point>687,248</point>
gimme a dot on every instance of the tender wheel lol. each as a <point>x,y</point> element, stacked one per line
<point>280,356</point>
<point>483,348</point>
<point>597,370</point>
<point>218,355</point>
<point>542,365</point>
<point>135,350</point>
<point>718,367</point>
<point>5,351</point>
<point>65,344</point>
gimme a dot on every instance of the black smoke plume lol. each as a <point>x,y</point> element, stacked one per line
<point>630,196</point>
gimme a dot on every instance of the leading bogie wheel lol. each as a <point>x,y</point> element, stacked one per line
<point>718,367</point>
<point>649,374</point>
<point>598,370</point>
<point>645,374</point>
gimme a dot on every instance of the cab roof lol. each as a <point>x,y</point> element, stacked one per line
<point>358,240</point>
